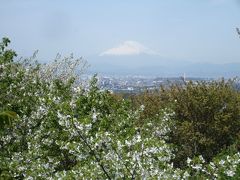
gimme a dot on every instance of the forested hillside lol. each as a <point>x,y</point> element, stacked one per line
<point>52,126</point>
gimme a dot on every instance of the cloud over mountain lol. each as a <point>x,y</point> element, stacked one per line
<point>128,48</point>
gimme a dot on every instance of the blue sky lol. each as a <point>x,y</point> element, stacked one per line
<point>193,31</point>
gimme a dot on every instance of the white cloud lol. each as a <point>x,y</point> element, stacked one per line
<point>128,48</point>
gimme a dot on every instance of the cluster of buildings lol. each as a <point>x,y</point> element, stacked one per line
<point>139,83</point>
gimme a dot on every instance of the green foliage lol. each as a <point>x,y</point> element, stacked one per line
<point>6,55</point>
<point>153,102</point>
<point>6,117</point>
<point>207,116</point>
<point>67,130</point>
<point>52,127</point>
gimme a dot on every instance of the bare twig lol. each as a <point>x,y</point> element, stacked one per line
<point>238,31</point>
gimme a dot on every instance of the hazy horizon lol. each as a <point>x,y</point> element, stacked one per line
<point>153,37</point>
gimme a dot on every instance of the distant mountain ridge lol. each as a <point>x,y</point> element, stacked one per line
<point>159,66</point>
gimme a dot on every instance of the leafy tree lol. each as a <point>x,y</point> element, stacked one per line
<point>207,118</point>
<point>67,130</point>
<point>64,130</point>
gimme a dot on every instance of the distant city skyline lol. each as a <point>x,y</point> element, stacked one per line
<point>122,36</point>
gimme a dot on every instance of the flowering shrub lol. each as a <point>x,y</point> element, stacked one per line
<point>206,118</point>
<point>225,167</point>
<point>68,130</point>
<point>61,129</point>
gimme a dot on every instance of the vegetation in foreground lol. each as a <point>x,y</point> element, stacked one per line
<point>53,127</point>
